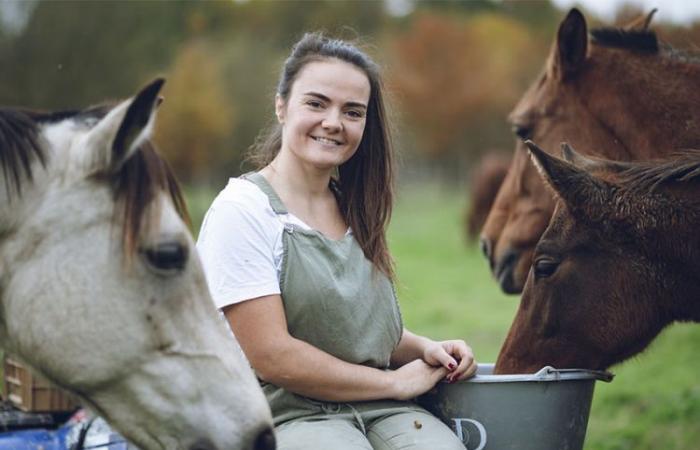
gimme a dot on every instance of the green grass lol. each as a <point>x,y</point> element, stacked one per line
<point>446,291</point>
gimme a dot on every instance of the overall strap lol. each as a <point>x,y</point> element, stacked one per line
<point>275,202</point>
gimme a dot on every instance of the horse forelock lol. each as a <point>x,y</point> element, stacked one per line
<point>135,187</point>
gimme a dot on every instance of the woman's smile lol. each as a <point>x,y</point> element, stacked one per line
<point>327,141</point>
<point>324,118</point>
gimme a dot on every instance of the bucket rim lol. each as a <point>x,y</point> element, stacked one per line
<point>547,373</point>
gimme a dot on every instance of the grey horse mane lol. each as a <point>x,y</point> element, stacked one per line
<point>134,185</point>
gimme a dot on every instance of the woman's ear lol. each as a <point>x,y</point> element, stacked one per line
<point>279,108</point>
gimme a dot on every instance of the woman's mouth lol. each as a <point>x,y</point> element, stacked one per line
<point>324,140</point>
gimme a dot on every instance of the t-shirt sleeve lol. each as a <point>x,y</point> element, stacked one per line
<point>236,245</point>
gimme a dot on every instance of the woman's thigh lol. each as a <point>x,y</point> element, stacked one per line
<point>414,430</point>
<point>325,434</point>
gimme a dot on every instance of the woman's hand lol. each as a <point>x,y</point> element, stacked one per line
<point>455,355</point>
<point>415,378</point>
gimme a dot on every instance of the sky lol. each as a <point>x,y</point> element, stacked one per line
<point>681,12</point>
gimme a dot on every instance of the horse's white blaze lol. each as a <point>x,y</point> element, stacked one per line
<point>145,347</point>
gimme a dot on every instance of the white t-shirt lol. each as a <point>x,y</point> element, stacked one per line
<point>240,244</point>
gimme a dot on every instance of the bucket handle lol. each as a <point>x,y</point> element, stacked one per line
<point>548,372</point>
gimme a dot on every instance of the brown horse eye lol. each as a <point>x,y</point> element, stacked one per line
<point>522,131</point>
<point>545,267</point>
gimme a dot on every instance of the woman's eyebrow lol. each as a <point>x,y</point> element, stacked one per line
<point>326,99</point>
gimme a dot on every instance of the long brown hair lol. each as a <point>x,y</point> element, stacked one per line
<point>366,180</point>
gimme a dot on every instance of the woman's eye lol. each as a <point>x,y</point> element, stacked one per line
<point>545,267</point>
<point>355,114</point>
<point>167,257</point>
<point>314,103</point>
<point>522,131</point>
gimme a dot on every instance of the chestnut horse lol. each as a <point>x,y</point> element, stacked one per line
<point>619,261</point>
<point>485,180</point>
<point>619,95</point>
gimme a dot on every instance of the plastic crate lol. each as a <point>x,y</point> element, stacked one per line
<point>30,393</point>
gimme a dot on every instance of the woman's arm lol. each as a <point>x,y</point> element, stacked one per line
<point>277,357</point>
<point>455,355</point>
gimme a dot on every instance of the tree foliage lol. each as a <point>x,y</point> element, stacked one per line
<point>454,74</point>
<point>455,68</point>
<point>196,117</point>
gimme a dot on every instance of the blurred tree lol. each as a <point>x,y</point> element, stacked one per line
<point>457,76</point>
<point>72,52</point>
<point>196,116</point>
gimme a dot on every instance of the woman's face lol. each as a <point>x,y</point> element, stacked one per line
<point>324,117</point>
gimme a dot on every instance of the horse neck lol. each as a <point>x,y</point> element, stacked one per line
<point>677,252</point>
<point>649,102</point>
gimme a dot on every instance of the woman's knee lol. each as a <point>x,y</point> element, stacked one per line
<point>413,430</point>
<point>321,435</point>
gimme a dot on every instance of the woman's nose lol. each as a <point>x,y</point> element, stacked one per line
<point>332,121</point>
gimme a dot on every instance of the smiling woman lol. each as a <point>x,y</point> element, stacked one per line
<point>306,279</point>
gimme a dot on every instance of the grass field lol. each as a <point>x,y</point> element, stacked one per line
<point>446,291</point>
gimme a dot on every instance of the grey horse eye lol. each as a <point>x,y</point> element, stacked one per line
<point>169,256</point>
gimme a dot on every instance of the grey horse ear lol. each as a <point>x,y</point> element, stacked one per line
<point>137,122</point>
<point>580,190</point>
<point>117,136</point>
<point>571,47</point>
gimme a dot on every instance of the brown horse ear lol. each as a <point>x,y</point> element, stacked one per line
<point>580,190</point>
<point>591,164</point>
<point>571,46</point>
<point>577,159</point>
<point>640,23</point>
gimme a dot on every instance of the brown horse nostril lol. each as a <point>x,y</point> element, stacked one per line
<point>485,246</point>
<point>265,440</point>
<point>505,271</point>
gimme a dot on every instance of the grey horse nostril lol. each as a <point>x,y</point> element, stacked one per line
<point>265,440</point>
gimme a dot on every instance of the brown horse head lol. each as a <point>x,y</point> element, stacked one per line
<point>485,180</point>
<point>618,262</point>
<point>616,93</point>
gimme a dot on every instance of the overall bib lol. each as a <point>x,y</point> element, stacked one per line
<point>336,300</point>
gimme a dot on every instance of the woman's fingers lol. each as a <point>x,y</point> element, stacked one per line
<point>467,364</point>
<point>469,372</point>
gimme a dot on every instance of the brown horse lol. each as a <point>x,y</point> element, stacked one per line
<point>485,180</point>
<point>620,95</point>
<point>619,261</point>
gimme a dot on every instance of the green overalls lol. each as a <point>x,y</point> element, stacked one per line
<point>335,300</point>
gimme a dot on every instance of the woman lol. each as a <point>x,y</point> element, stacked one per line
<point>296,257</point>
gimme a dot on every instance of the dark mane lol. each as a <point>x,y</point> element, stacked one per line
<point>643,41</point>
<point>19,147</point>
<point>136,185</point>
<point>648,175</point>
